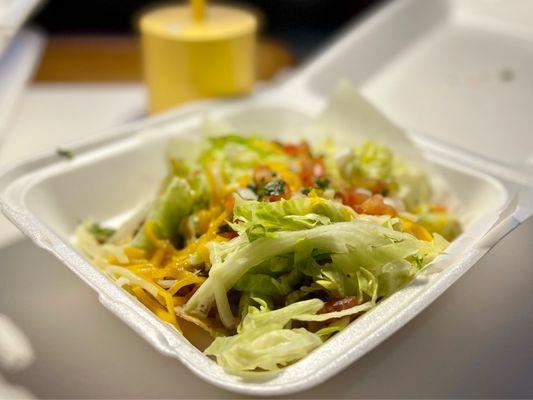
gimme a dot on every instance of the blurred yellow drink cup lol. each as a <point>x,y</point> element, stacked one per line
<point>197,51</point>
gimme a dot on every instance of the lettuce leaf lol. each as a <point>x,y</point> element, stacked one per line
<point>373,161</point>
<point>335,314</point>
<point>263,284</point>
<point>263,341</point>
<point>175,203</point>
<point>261,219</point>
<point>360,249</point>
<point>236,156</point>
<point>269,286</point>
<point>336,326</point>
<point>413,188</point>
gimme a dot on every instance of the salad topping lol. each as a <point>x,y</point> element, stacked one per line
<point>273,247</point>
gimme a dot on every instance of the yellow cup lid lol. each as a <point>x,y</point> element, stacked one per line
<point>219,22</point>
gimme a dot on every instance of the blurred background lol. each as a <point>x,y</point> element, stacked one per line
<point>83,35</point>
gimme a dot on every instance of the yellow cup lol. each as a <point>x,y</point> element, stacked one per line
<point>186,58</point>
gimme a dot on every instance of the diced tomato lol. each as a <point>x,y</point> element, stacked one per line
<point>437,208</point>
<point>272,198</point>
<point>312,168</point>
<point>306,175</point>
<point>376,186</point>
<point>379,186</point>
<point>291,149</point>
<point>375,206</point>
<point>339,305</point>
<point>355,198</point>
<point>229,234</point>
<point>301,150</point>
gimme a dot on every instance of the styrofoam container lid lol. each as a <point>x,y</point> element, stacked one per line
<point>456,70</point>
<point>13,14</point>
<point>16,68</point>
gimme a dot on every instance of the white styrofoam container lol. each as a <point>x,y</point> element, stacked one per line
<point>13,14</point>
<point>16,68</point>
<point>387,55</point>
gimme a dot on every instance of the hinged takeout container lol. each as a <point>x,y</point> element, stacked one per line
<point>454,73</point>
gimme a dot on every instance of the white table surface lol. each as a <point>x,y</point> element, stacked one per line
<point>474,341</point>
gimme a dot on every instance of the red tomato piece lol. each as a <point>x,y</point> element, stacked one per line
<point>312,168</point>
<point>229,235</point>
<point>355,198</point>
<point>339,305</point>
<point>375,206</point>
<point>301,150</point>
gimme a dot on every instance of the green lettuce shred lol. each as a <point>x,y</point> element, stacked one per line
<point>374,161</point>
<point>266,341</point>
<point>261,219</point>
<point>263,340</point>
<point>175,203</point>
<point>358,258</point>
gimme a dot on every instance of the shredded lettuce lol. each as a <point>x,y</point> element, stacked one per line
<point>175,203</point>
<point>336,326</point>
<point>271,286</point>
<point>373,162</point>
<point>235,156</point>
<point>101,233</point>
<point>335,314</point>
<point>261,219</point>
<point>263,341</point>
<point>266,285</point>
<point>413,186</point>
<point>366,246</point>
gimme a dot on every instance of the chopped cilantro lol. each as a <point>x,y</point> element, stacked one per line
<point>224,229</point>
<point>101,233</point>
<point>272,188</point>
<point>321,183</point>
<point>252,187</point>
<point>69,155</point>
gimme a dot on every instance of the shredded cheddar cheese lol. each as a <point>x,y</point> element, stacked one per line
<point>416,230</point>
<point>144,270</point>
